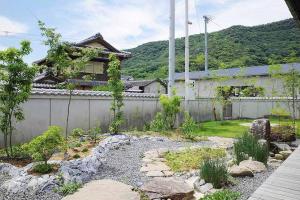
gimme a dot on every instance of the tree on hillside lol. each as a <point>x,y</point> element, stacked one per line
<point>67,61</point>
<point>16,78</point>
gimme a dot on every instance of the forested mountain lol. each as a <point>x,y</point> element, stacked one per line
<point>237,46</point>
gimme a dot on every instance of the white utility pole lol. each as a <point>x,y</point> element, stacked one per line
<point>171,48</point>
<point>206,20</point>
<point>187,56</point>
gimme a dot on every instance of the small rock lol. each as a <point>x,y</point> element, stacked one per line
<point>280,146</point>
<point>254,166</point>
<point>206,188</point>
<point>285,154</point>
<point>198,195</point>
<point>198,184</point>
<point>155,174</point>
<point>168,173</point>
<point>192,180</point>
<point>278,157</point>
<point>271,154</point>
<point>274,163</point>
<point>240,171</point>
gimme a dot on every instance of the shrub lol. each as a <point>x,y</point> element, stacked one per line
<point>85,150</point>
<point>189,127</point>
<point>158,123</point>
<point>76,156</point>
<point>223,195</point>
<point>42,168</point>
<point>77,132</point>
<point>42,147</point>
<point>171,107</point>
<point>69,188</point>
<point>214,171</point>
<point>248,145</point>
<point>94,132</point>
<point>283,133</point>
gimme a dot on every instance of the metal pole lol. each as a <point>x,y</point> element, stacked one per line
<point>187,56</point>
<point>171,48</point>
<point>206,19</point>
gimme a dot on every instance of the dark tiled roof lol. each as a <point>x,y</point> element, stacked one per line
<point>57,92</point>
<point>87,83</point>
<point>231,72</point>
<point>142,83</point>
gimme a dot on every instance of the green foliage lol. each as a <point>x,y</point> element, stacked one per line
<point>165,120</point>
<point>214,171</point>
<point>223,195</point>
<point>116,86</point>
<point>94,132</point>
<point>76,156</point>
<point>253,92</point>
<point>16,77</point>
<point>283,133</point>
<point>85,150</point>
<point>77,132</point>
<point>236,46</point>
<point>101,88</point>
<point>189,127</point>
<point>158,124</point>
<point>18,152</point>
<point>44,146</point>
<point>191,158</point>
<point>249,146</point>
<point>69,188</point>
<point>66,60</point>
<point>42,168</point>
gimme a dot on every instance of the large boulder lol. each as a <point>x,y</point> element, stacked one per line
<point>239,171</point>
<point>254,166</point>
<point>261,128</point>
<point>104,190</point>
<point>168,188</point>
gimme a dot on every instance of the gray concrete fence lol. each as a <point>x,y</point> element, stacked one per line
<point>92,109</point>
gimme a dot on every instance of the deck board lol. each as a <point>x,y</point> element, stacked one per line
<point>284,183</point>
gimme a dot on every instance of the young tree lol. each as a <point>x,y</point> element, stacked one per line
<point>16,77</point>
<point>67,61</point>
<point>116,86</point>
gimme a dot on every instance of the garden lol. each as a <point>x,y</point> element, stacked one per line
<point>208,160</point>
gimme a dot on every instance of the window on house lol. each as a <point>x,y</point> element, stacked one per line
<point>94,68</point>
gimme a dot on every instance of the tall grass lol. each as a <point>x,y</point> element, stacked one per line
<point>214,171</point>
<point>249,146</point>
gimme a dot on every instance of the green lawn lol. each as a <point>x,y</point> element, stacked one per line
<point>232,128</point>
<point>229,128</point>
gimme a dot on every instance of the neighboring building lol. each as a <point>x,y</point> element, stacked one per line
<point>156,86</point>
<point>97,67</point>
<point>205,85</point>
<point>294,6</point>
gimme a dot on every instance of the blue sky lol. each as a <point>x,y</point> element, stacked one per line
<point>125,23</point>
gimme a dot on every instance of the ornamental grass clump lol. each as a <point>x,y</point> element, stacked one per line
<point>215,171</point>
<point>249,146</point>
<point>44,146</point>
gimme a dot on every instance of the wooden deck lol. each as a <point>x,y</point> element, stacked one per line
<point>284,183</point>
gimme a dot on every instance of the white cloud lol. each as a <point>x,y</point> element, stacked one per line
<point>250,13</point>
<point>2,47</point>
<point>11,27</point>
<point>129,23</point>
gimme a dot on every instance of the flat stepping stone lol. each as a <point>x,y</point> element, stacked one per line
<point>104,190</point>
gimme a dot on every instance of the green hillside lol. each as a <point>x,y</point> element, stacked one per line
<point>237,46</point>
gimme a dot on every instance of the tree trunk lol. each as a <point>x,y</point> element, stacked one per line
<point>68,113</point>
<point>5,143</point>
<point>10,134</point>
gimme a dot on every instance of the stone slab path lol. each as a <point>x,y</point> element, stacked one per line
<point>104,190</point>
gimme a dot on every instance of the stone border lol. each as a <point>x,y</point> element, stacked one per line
<point>80,170</point>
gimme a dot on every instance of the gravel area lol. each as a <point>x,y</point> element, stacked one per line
<point>124,164</point>
<point>247,185</point>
